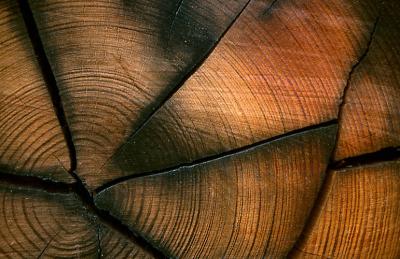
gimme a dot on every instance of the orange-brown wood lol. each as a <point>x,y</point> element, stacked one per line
<point>199,129</point>
<point>31,139</point>
<point>37,224</point>
<point>277,69</point>
<point>370,119</point>
<point>115,61</point>
<point>251,204</point>
<point>358,216</point>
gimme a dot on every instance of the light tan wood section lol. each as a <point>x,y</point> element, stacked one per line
<point>31,139</point>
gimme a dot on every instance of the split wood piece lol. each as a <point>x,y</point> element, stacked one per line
<point>370,118</point>
<point>250,204</point>
<point>358,217</point>
<point>31,139</point>
<point>276,70</point>
<point>38,224</point>
<point>115,61</point>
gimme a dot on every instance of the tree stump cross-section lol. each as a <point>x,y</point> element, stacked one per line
<point>199,129</point>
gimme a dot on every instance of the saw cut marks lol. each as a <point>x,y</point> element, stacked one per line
<point>31,140</point>
<point>359,217</point>
<point>370,119</point>
<point>36,224</point>
<point>251,204</point>
<point>115,61</point>
<point>279,68</point>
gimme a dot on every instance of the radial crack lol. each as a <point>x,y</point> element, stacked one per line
<point>49,78</point>
<point>169,95</point>
<point>34,182</point>
<point>383,155</point>
<point>323,194</point>
<point>79,188</point>
<point>350,75</point>
<point>215,157</point>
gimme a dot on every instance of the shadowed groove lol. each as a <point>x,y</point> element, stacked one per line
<point>259,82</point>
<point>322,196</point>
<point>383,155</point>
<point>183,80</point>
<point>352,70</point>
<point>162,206</point>
<point>31,140</point>
<point>79,187</point>
<point>122,45</point>
<point>49,78</point>
<point>215,157</point>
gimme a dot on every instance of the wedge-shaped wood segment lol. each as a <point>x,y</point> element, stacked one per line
<point>35,224</point>
<point>371,113</point>
<point>249,204</point>
<point>274,71</point>
<point>31,139</point>
<point>116,60</point>
<point>359,215</point>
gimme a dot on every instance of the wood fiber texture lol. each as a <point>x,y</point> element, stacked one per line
<point>31,139</point>
<point>359,216</point>
<point>115,60</point>
<point>199,129</point>
<point>250,204</point>
<point>38,224</point>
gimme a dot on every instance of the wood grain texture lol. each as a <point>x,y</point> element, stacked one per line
<point>114,245</point>
<point>38,224</point>
<point>31,139</point>
<point>250,204</point>
<point>358,217</point>
<point>115,61</point>
<point>277,69</point>
<point>370,119</point>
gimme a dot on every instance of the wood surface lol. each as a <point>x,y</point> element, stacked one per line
<point>199,129</point>
<point>31,140</point>
<point>371,110</point>
<point>251,204</point>
<point>271,73</point>
<point>359,216</point>
<point>115,61</point>
<point>39,224</point>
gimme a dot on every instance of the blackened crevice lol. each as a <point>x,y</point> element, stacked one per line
<point>148,115</point>
<point>269,9</point>
<point>218,156</point>
<point>107,219</point>
<point>354,67</point>
<point>350,75</point>
<point>99,249</point>
<point>79,187</point>
<point>33,182</point>
<point>383,155</point>
<point>171,27</point>
<point>48,77</point>
<point>315,212</point>
<point>325,187</point>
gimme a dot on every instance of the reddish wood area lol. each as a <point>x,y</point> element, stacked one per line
<point>199,129</point>
<point>252,204</point>
<point>358,217</point>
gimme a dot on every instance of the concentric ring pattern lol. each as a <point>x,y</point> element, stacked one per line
<point>199,129</point>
